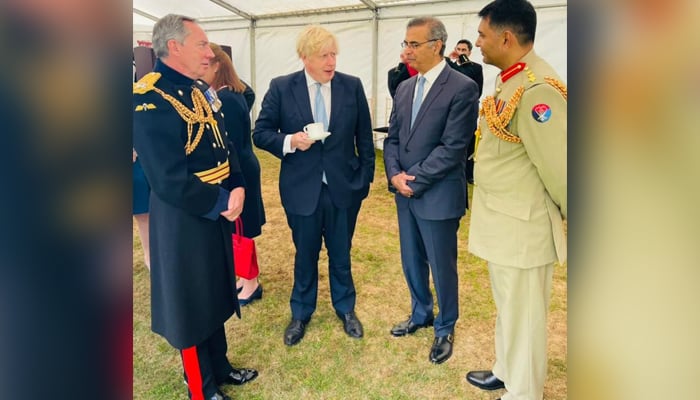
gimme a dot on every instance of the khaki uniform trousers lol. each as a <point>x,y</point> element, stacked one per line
<point>522,301</point>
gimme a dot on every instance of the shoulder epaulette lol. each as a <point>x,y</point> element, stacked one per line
<point>557,84</point>
<point>146,83</point>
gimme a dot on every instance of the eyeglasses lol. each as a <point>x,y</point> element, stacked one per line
<point>415,45</point>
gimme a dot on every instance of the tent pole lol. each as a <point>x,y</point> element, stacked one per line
<point>253,75</point>
<point>375,62</point>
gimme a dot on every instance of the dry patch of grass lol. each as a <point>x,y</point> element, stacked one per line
<point>327,364</point>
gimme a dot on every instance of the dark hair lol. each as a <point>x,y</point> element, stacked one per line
<point>517,15</point>
<point>226,75</point>
<point>465,41</point>
<point>437,30</point>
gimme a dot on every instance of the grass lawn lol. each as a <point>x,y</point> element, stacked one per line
<point>327,364</point>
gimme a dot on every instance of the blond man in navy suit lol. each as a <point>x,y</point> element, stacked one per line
<point>322,182</point>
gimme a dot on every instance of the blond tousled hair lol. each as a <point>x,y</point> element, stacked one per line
<point>313,39</point>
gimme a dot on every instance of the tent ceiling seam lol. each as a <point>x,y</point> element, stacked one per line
<point>145,14</point>
<point>235,10</point>
<point>372,5</point>
<point>314,11</point>
<point>367,5</point>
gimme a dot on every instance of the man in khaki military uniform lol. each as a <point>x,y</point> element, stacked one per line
<point>519,197</point>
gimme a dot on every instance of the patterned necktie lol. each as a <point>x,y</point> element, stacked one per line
<point>320,108</point>
<point>418,100</point>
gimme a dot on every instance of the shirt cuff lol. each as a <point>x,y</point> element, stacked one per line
<point>220,205</point>
<point>287,146</point>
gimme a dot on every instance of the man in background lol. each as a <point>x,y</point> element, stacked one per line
<point>459,60</point>
<point>399,74</point>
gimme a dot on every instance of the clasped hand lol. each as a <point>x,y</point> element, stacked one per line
<point>235,204</point>
<point>400,182</point>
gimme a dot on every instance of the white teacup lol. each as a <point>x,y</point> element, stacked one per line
<point>315,130</point>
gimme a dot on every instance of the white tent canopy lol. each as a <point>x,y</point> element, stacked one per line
<point>262,35</point>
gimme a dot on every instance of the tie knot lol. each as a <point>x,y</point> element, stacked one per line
<point>421,80</point>
<point>318,85</point>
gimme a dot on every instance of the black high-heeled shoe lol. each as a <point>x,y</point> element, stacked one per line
<point>257,295</point>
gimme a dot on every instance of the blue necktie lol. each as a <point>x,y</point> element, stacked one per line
<point>320,108</point>
<point>418,100</point>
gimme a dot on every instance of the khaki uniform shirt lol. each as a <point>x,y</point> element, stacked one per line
<point>520,169</point>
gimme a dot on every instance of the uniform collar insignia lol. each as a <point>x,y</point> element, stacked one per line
<point>512,71</point>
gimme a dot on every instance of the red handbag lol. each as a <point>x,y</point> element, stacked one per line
<point>245,260</point>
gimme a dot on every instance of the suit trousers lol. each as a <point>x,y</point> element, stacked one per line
<point>329,223</point>
<point>522,301</point>
<point>205,364</point>
<point>430,246</point>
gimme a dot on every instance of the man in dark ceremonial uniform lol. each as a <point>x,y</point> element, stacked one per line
<point>196,191</point>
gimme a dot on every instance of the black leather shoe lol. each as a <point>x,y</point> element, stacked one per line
<point>239,376</point>
<point>219,396</point>
<point>485,380</point>
<point>294,332</point>
<point>257,295</point>
<point>406,327</point>
<point>442,348</point>
<point>352,325</point>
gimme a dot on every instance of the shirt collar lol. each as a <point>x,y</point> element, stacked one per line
<point>434,72</point>
<point>311,81</point>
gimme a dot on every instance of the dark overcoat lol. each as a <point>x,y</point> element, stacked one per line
<point>192,277</point>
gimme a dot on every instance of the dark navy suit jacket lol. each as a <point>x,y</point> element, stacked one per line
<point>434,150</point>
<point>346,156</point>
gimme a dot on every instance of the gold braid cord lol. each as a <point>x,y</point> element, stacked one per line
<point>498,122</point>
<point>557,84</point>
<point>200,115</point>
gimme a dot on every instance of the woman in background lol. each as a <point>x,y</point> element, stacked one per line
<point>237,98</point>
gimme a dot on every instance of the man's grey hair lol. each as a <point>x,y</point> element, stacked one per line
<point>170,27</point>
<point>437,29</point>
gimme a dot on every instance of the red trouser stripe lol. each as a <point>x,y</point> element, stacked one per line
<point>194,375</point>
